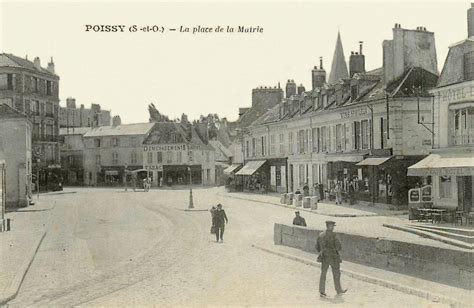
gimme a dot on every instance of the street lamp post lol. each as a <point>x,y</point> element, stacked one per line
<point>191,205</point>
<point>37,177</point>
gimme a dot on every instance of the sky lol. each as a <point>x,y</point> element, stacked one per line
<point>206,72</point>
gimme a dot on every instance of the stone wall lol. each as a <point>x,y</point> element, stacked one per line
<point>448,266</point>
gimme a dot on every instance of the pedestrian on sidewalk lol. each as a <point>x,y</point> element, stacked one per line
<point>328,247</point>
<point>321,192</point>
<point>351,192</point>
<point>219,220</point>
<point>305,190</point>
<point>298,220</point>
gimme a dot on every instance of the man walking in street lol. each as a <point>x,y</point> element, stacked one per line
<point>219,221</point>
<point>298,220</point>
<point>328,247</point>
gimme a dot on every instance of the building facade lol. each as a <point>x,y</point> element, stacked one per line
<point>34,90</point>
<point>175,154</point>
<point>72,155</point>
<point>112,151</point>
<point>71,116</point>
<point>15,151</point>
<point>450,166</point>
<point>366,128</point>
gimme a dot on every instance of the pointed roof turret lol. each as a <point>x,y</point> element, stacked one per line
<point>339,66</point>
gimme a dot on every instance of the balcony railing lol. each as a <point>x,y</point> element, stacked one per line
<point>464,139</point>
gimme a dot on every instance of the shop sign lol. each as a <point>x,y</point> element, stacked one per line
<point>426,142</point>
<point>456,94</point>
<point>154,167</point>
<point>353,113</point>
<point>165,147</point>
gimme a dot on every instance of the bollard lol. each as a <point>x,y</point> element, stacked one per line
<point>298,201</point>
<point>314,203</point>
<point>307,202</point>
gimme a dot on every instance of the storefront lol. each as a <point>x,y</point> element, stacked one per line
<point>452,172</point>
<point>278,175</point>
<point>233,182</point>
<point>181,175</point>
<point>255,176</point>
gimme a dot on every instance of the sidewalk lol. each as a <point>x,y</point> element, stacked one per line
<point>324,208</point>
<point>433,291</point>
<point>18,247</point>
<point>349,220</point>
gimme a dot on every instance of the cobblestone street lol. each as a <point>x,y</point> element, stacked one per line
<point>108,247</point>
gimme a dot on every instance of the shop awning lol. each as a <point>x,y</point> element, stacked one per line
<point>448,163</point>
<point>352,158</point>
<point>373,161</point>
<point>111,172</point>
<point>250,167</point>
<point>231,169</point>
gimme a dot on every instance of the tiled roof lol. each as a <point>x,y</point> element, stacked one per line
<point>120,130</point>
<point>222,153</point>
<point>371,87</point>
<point>9,112</point>
<point>14,61</point>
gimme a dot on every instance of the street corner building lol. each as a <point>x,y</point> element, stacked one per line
<point>450,166</point>
<point>179,153</point>
<point>15,157</point>
<point>110,152</point>
<point>34,91</point>
<point>359,126</point>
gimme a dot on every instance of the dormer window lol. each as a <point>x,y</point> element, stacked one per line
<point>469,65</point>
<point>354,92</point>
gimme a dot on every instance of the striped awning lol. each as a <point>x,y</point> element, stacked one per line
<point>445,164</point>
<point>250,167</point>
<point>373,161</point>
<point>231,169</point>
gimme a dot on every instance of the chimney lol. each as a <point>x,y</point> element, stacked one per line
<point>318,75</point>
<point>116,121</point>
<point>51,66</point>
<point>37,63</point>
<point>356,62</point>
<point>71,103</point>
<point>290,88</point>
<point>470,21</point>
<point>301,89</point>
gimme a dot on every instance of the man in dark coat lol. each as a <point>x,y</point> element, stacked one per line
<point>298,220</point>
<point>219,220</point>
<point>328,247</point>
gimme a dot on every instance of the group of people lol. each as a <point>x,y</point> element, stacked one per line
<point>328,247</point>
<point>336,190</point>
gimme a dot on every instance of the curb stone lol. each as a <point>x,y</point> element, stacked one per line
<point>14,287</point>
<point>431,236</point>
<point>438,298</point>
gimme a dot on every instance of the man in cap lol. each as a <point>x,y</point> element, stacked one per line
<point>298,220</point>
<point>219,220</point>
<point>328,247</point>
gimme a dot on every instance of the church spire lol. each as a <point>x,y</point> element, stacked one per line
<point>339,66</point>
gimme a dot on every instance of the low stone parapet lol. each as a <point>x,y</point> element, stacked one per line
<point>448,266</point>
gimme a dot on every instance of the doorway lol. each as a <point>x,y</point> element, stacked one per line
<point>465,190</point>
